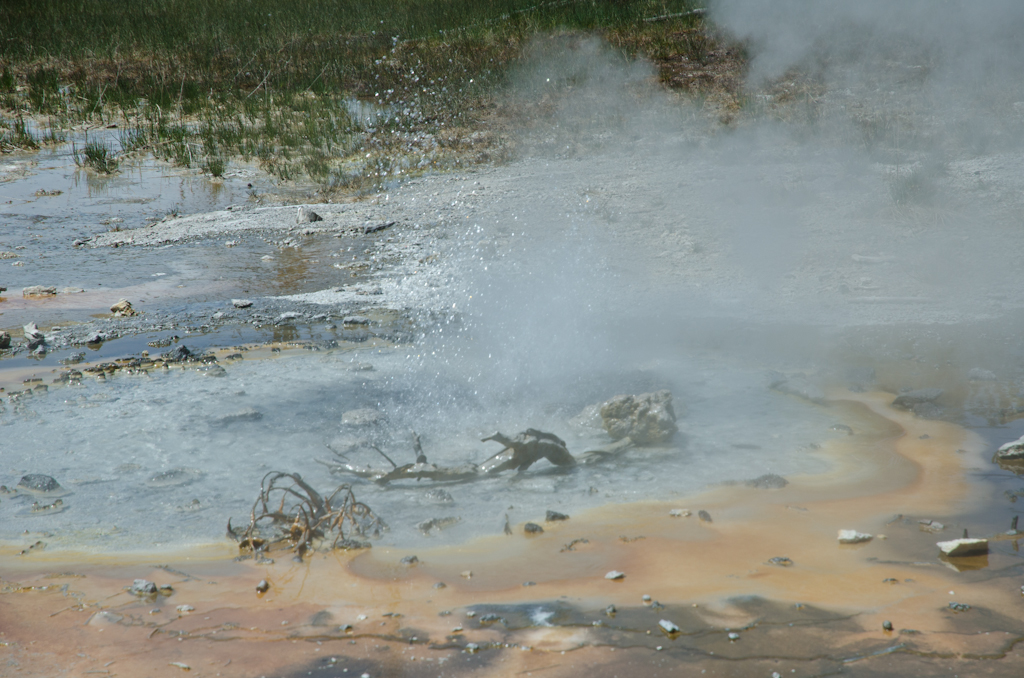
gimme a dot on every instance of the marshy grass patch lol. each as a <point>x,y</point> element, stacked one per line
<point>344,94</point>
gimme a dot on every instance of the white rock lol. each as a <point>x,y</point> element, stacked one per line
<point>1012,450</point>
<point>241,303</point>
<point>615,574</point>
<point>680,513</point>
<point>185,609</point>
<point>853,537</point>
<point>963,547</point>
<point>668,627</point>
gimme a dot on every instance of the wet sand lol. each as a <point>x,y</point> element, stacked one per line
<point>66,613</point>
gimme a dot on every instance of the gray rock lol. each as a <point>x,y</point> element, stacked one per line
<point>646,419</point>
<point>307,216</point>
<point>290,315</point>
<point>96,338</point>
<point>175,477</point>
<point>374,228</point>
<point>241,303</point>
<point>39,291</point>
<point>364,416</point>
<point>409,560</point>
<point>911,400</point>
<point>355,320</point>
<point>796,385</point>
<point>142,587</point>
<point>553,516</point>
<point>39,483</point>
<point>71,290</point>
<point>769,481</point>
<point>5,340</point>
<point>33,336</point>
<point>247,414</point>
<point>440,496</point>
<point>533,528</point>
<point>978,374</point>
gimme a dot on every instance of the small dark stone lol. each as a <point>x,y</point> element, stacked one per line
<point>491,618</point>
<point>263,586</point>
<point>781,560</point>
<point>704,515</point>
<point>555,515</point>
<point>610,610</point>
<point>37,482</point>
<point>529,583</point>
<point>440,585</point>
<point>887,625</point>
<point>409,560</point>
<point>908,400</point>
<point>959,607</point>
<point>533,528</point>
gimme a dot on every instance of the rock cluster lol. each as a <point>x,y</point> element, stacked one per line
<point>646,419</point>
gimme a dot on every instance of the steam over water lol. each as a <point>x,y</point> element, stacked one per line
<point>866,214</point>
<point>109,443</point>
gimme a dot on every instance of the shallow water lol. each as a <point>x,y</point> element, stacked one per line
<point>105,441</point>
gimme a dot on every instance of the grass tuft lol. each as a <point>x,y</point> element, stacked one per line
<point>95,156</point>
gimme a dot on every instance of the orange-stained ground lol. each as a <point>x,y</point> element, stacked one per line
<point>344,614</point>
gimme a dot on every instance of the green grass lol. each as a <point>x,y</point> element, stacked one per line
<point>199,81</point>
<point>96,156</point>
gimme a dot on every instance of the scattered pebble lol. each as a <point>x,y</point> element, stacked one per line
<point>241,303</point>
<point>959,607</point>
<point>887,625</point>
<point>263,586</point>
<point>409,560</point>
<point>733,637</point>
<point>472,648</point>
<point>533,528</point>
<point>781,560</point>
<point>680,513</point>
<point>615,574</point>
<point>185,609</point>
<point>704,516</point>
